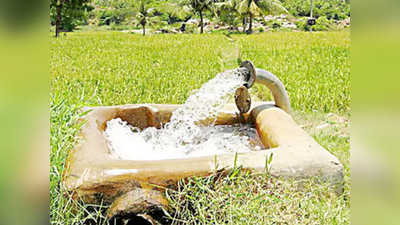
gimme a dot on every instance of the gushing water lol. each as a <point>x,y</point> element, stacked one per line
<point>182,137</point>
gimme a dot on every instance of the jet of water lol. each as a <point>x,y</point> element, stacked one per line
<point>183,136</point>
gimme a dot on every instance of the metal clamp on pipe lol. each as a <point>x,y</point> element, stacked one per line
<point>268,79</point>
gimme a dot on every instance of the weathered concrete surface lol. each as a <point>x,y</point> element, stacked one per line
<point>92,176</point>
<point>138,201</point>
<point>296,154</point>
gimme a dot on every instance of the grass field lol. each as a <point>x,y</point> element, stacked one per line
<point>112,68</point>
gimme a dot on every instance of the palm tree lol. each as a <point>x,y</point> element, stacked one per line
<point>185,7</point>
<point>254,8</point>
<point>229,7</point>
<point>143,14</point>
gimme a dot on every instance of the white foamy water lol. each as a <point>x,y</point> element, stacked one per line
<point>182,137</point>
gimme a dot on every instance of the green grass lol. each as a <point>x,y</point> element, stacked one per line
<point>259,199</point>
<point>315,68</point>
<point>112,68</point>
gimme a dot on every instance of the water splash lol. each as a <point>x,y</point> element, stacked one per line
<point>182,137</point>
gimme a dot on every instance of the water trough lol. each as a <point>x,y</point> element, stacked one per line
<point>135,186</point>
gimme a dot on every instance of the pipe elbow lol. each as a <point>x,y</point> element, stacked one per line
<point>277,88</point>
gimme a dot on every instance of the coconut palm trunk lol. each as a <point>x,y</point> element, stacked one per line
<point>58,19</point>
<point>201,22</point>
<point>143,23</point>
<point>251,23</point>
<point>254,8</point>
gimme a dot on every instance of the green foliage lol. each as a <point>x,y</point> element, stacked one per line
<point>144,69</point>
<point>191,29</point>
<point>224,32</point>
<point>197,6</point>
<point>108,17</point>
<point>253,8</point>
<point>64,116</point>
<point>323,24</point>
<point>314,68</point>
<point>120,27</point>
<point>185,8</point>
<point>260,7</point>
<point>332,9</point>
<point>144,14</point>
<point>227,12</point>
<point>276,25</point>
<point>302,24</point>
<point>73,13</point>
<point>244,198</point>
<point>112,68</point>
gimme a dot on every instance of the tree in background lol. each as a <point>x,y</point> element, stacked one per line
<point>228,10</point>
<point>144,14</point>
<point>332,9</point>
<point>185,7</point>
<point>254,8</point>
<point>111,12</point>
<point>64,13</point>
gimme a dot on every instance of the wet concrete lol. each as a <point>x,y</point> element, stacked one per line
<point>137,187</point>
